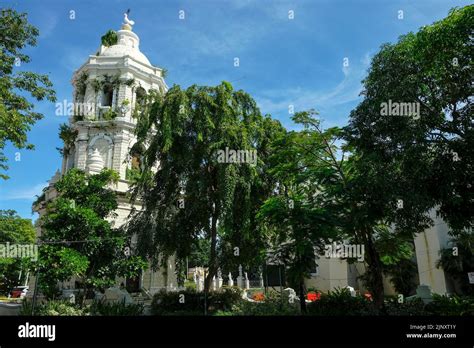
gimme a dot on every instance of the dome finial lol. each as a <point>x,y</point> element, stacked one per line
<point>127,23</point>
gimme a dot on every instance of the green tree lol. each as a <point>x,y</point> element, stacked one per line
<point>361,202</point>
<point>458,260</point>
<point>14,230</point>
<point>16,111</point>
<point>397,256</point>
<point>194,194</point>
<point>199,256</point>
<point>433,69</point>
<point>296,223</point>
<point>77,237</point>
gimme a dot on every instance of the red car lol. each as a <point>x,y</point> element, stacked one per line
<point>19,292</point>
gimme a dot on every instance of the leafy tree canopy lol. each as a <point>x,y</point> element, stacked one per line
<point>431,149</point>
<point>14,230</point>
<point>195,191</point>
<point>16,110</point>
<point>78,239</point>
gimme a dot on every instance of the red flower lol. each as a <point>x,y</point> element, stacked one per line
<point>258,296</point>
<point>368,296</point>
<point>313,296</point>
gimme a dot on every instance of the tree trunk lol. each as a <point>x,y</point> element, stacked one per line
<point>375,272</point>
<point>213,257</point>
<point>302,297</point>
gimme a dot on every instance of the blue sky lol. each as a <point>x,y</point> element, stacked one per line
<point>282,61</point>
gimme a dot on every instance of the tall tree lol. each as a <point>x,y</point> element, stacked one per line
<point>77,237</point>
<point>197,190</point>
<point>434,146</point>
<point>361,202</point>
<point>14,230</point>
<point>413,131</point>
<point>16,111</point>
<point>296,225</point>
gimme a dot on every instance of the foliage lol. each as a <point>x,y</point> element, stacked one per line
<point>458,264</point>
<point>110,38</point>
<point>340,302</point>
<point>191,190</point>
<point>168,303</point>
<point>132,174</point>
<point>68,135</point>
<point>116,308</point>
<point>79,240</point>
<point>454,305</point>
<point>428,159</point>
<point>53,308</point>
<point>402,276</point>
<point>14,230</point>
<point>396,254</point>
<point>110,114</point>
<point>39,199</point>
<point>130,82</point>
<point>17,114</point>
<point>81,85</point>
<point>199,256</point>
<point>411,307</point>
<point>273,305</point>
<point>58,263</point>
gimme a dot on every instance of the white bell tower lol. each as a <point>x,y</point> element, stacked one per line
<point>108,88</point>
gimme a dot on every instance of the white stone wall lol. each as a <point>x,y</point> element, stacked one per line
<point>428,245</point>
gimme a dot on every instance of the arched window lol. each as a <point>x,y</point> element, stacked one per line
<point>136,153</point>
<point>107,96</point>
<point>140,96</point>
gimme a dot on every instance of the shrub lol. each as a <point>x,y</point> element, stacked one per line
<point>110,38</point>
<point>454,305</point>
<point>168,303</point>
<point>225,299</point>
<point>116,308</point>
<point>53,308</point>
<point>340,302</point>
<point>273,305</point>
<point>409,308</point>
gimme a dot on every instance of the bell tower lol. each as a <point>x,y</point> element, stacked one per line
<point>108,88</point>
<point>107,92</point>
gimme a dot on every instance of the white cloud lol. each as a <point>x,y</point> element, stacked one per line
<point>26,193</point>
<point>347,90</point>
<point>47,24</point>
